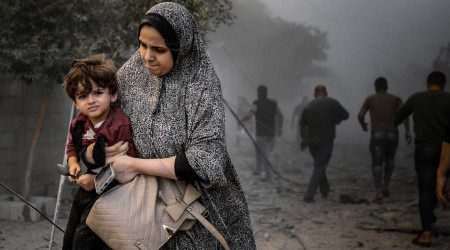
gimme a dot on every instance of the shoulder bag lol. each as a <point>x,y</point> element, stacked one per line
<point>145,212</point>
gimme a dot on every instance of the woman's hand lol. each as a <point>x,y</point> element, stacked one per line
<point>120,148</point>
<point>86,181</point>
<point>123,167</point>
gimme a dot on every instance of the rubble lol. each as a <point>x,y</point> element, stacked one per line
<point>281,220</point>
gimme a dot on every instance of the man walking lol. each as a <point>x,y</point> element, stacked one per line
<point>318,130</point>
<point>264,110</point>
<point>431,116</point>
<point>384,134</point>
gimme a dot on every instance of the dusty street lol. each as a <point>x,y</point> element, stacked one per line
<point>281,220</point>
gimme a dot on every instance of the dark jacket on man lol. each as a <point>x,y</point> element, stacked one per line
<point>320,118</point>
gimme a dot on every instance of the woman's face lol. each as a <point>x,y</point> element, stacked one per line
<point>154,51</point>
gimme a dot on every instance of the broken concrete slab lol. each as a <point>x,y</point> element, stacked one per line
<point>14,209</point>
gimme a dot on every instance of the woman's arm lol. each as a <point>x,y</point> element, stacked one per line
<point>442,173</point>
<point>126,168</point>
<point>87,182</point>
<point>119,148</point>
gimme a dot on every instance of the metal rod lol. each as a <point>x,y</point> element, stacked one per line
<point>29,204</point>
<point>61,181</point>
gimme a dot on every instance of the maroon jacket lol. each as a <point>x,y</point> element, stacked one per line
<point>116,128</point>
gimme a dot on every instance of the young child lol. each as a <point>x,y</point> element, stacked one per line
<point>91,83</point>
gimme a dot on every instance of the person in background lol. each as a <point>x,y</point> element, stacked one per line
<point>318,130</point>
<point>430,110</point>
<point>296,118</point>
<point>265,111</point>
<point>384,134</point>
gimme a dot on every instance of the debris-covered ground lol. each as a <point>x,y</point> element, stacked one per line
<point>281,220</point>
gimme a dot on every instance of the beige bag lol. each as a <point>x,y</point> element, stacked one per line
<point>145,212</point>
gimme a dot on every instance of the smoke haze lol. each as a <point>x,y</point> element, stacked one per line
<point>361,40</point>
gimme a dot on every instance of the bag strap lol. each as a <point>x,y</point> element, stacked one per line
<point>190,194</point>
<point>210,227</point>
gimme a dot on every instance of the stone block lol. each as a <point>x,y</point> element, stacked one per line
<point>14,209</point>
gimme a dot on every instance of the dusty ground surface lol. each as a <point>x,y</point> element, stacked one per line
<point>281,220</point>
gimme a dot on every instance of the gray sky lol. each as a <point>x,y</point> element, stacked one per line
<point>397,39</point>
<point>372,38</point>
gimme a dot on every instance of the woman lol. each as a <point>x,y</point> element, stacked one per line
<point>171,93</point>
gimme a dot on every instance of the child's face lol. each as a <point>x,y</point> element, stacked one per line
<point>154,51</point>
<point>95,104</point>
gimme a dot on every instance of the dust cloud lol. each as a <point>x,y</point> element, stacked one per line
<point>291,46</point>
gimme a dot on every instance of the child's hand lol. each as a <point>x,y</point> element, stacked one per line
<point>86,181</point>
<point>74,170</point>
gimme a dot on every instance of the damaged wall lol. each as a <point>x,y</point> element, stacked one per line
<point>19,108</point>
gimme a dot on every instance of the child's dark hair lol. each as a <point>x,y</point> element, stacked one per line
<point>97,68</point>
